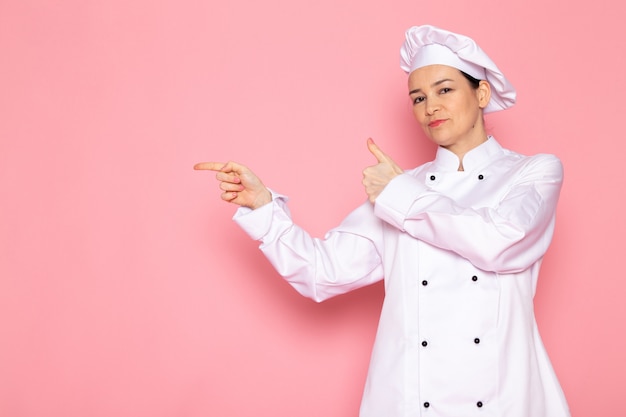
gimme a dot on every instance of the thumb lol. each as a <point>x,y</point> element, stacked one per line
<point>375,150</point>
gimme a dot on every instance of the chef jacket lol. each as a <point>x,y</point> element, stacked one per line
<point>460,253</point>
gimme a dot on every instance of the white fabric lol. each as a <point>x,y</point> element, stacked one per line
<point>429,45</point>
<point>430,232</point>
<point>436,53</point>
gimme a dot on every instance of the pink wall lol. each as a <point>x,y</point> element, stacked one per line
<point>125,290</point>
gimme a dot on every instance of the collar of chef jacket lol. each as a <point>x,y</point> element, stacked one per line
<point>446,160</point>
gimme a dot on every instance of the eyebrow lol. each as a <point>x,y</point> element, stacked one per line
<point>436,83</point>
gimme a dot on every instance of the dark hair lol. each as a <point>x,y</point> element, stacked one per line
<point>474,82</point>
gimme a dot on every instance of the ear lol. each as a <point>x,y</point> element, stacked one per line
<point>483,92</point>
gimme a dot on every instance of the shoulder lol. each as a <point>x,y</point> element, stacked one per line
<point>539,166</point>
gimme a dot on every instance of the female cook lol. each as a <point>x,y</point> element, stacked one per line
<point>458,241</point>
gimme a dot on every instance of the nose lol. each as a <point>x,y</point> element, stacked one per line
<point>432,105</point>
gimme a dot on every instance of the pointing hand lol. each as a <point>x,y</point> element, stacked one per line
<point>239,185</point>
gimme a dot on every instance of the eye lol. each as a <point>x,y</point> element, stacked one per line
<point>418,99</point>
<point>445,90</point>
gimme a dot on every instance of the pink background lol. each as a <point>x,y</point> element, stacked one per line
<point>125,289</point>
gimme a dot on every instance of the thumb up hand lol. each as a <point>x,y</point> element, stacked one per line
<point>376,177</point>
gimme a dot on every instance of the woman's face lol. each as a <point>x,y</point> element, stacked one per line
<point>448,107</point>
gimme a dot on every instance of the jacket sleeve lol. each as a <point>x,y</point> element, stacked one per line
<point>507,238</point>
<point>346,259</point>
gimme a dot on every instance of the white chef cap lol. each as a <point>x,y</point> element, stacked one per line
<point>429,45</point>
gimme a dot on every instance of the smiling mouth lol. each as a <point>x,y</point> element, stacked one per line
<point>436,123</point>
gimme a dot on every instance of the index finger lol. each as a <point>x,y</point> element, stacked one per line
<point>209,166</point>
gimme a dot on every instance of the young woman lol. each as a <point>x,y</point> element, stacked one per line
<point>459,242</point>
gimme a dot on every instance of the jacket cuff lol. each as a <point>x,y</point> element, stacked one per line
<point>395,201</point>
<point>257,223</point>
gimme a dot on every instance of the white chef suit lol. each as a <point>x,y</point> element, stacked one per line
<point>460,253</point>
